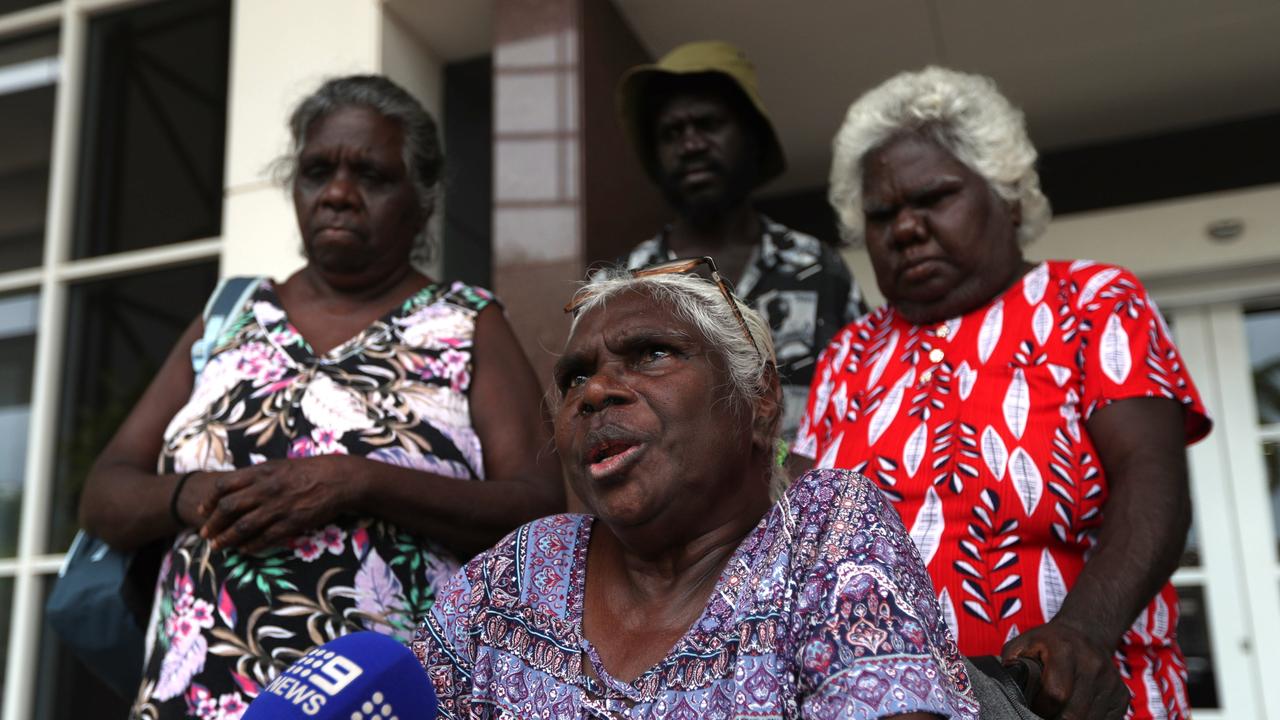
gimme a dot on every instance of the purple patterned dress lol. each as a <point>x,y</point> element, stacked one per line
<point>823,611</point>
<point>224,624</point>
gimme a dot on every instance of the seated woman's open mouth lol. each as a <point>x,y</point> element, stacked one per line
<point>612,457</point>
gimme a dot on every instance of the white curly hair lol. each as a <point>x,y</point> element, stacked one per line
<point>749,362</point>
<point>963,113</point>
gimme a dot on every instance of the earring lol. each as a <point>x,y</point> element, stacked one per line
<point>780,453</point>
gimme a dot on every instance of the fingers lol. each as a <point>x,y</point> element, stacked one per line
<point>266,505</point>
<point>1082,696</point>
<point>227,510</point>
<point>249,532</point>
<point>1097,688</point>
<point>1058,682</point>
<point>227,483</point>
<point>1052,691</point>
<point>1079,679</point>
<point>1015,648</point>
<point>1118,707</point>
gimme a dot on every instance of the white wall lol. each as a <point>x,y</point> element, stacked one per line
<point>1165,243</point>
<point>280,51</point>
<point>410,61</point>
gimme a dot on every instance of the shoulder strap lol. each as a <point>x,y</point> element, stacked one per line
<point>228,297</point>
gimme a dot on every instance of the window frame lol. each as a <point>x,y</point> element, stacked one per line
<point>34,565</point>
<point>1241,584</point>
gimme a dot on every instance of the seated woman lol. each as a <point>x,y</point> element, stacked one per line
<point>1026,419</point>
<point>685,593</point>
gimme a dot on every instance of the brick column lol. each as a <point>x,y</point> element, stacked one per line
<point>567,191</point>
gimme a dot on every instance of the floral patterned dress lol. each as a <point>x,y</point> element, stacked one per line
<point>975,429</point>
<point>823,611</point>
<point>224,623</point>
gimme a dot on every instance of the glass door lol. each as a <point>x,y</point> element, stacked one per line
<point>1229,581</point>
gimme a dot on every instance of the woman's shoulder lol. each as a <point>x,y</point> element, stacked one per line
<point>858,335</point>
<point>835,485</point>
<point>445,307</point>
<point>467,297</point>
<point>859,568</point>
<point>829,484</point>
<point>847,526</point>
<point>836,507</point>
<point>1089,277</point>
<point>533,565</point>
<point>541,539</point>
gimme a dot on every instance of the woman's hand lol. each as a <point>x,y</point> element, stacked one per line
<point>522,474</point>
<point>266,505</point>
<point>1144,527</point>
<point>1079,679</point>
<point>124,502</point>
<point>253,508</point>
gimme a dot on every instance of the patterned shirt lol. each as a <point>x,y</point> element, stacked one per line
<point>800,286</point>
<point>224,624</point>
<point>975,429</point>
<point>823,611</point>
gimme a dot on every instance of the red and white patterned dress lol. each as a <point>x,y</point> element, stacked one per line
<point>975,429</point>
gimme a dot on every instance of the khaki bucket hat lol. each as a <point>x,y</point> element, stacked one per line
<point>697,58</point>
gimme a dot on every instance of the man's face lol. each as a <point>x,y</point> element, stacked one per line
<point>708,157</point>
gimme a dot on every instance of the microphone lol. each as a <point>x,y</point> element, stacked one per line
<point>361,676</point>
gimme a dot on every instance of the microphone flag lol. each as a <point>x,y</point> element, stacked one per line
<point>361,676</point>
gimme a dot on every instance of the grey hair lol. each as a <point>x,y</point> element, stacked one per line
<point>750,365</point>
<point>423,158</point>
<point>963,113</point>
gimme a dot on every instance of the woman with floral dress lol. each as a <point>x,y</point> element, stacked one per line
<point>1026,419</point>
<point>357,429</point>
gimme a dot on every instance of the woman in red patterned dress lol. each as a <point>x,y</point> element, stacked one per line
<point>1024,418</point>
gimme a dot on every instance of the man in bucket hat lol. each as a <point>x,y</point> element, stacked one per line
<point>701,131</point>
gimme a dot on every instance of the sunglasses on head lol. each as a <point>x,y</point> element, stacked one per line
<point>681,266</point>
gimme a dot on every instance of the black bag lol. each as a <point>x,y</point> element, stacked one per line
<point>100,605</point>
<point>1004,692</point>
<point>97,608</point>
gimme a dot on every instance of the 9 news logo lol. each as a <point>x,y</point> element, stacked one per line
<point>315,678</point>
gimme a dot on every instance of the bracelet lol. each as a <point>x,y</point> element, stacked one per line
<point>173,499</point>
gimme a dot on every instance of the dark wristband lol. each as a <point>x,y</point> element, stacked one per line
<point>173,499</point>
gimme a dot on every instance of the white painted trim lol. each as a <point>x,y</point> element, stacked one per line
<point>24,22</point>
<point>117,264</point>
<point>95,7</point>
<point>45,564</point>
<point>33,566</point>
<point>1253,524</point>
<point>137,260</point>
<point>20,279</point>
<point>39,565</point>
<point>25,625</point>
<point>1229,284</point>
<point>1221,571</point>
<point>1167,238</point>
